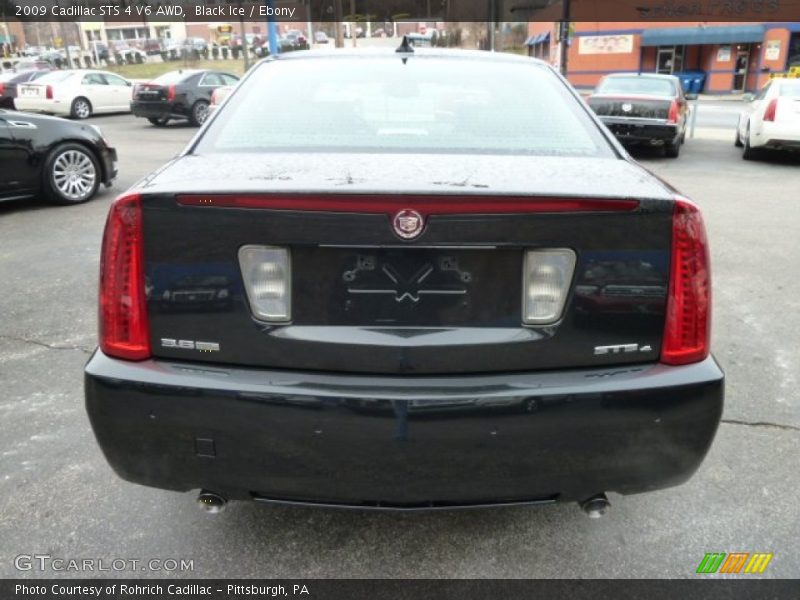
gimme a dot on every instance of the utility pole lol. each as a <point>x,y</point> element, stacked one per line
<point>353,23</point>
<point>245,49</point>
<point>492,23</point>
<point>63,28</point>
<point>564,35</point>
<point>337,23</point>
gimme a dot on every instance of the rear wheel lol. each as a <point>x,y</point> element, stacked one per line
<point>672,149</point>
<point>158,121</point>
<point>81,109</point>
<point>738,141</point>
<point>199,113</point>
<point>71,175</point>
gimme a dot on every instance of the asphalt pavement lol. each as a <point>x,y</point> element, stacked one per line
<point>59,497</point>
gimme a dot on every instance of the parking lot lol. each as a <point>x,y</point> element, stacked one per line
<point>59,497</point>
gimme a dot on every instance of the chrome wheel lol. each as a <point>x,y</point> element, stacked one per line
<point>74,175</point>
<point>81,108</point>
<point>200,113</point>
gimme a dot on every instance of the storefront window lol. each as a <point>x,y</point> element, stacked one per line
<point>794,51</point>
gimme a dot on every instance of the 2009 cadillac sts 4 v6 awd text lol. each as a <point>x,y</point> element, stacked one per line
<point>431,279</point>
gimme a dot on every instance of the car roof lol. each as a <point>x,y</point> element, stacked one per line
<point>391,53</point>
<point>641,75</point>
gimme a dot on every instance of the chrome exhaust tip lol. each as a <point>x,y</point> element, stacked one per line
<point>596,506</point>
<point>211,503</point>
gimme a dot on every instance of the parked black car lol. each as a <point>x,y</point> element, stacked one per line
<point>407,234</point>
<point>644,109</point>
<point>62,161</point>
<point>184,94</point>
<point>8,89</point>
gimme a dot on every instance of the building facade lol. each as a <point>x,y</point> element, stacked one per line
<point>736,57</point>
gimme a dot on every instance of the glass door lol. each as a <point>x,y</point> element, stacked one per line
<point>740,71</point>
<point>665,60</point>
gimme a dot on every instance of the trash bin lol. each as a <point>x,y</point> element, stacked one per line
<point>696,80</point>
<point>685,79</point>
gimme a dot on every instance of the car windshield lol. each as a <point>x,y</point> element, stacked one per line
<point>636,85</point>
<point>422,104</point>
<point>790,89</point>
<point>55,77</point>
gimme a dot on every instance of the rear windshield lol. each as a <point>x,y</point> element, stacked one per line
<point>790,89</point>
<point>56,77</point>
<point>173,77</point>
<point>28,76</point>
<point>436,105</point>
<point>636,85</point>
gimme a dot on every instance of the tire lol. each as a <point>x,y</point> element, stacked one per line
<point>672,149</point>
<point>738,141</point>
<point>81,108</point>
<point>158,121</point>
<point>749,152</point>
<point>199,113</point>
<point>71,175</point>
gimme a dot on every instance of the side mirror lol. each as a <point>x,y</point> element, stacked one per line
<point>749,97</point>
<point>691,96</point>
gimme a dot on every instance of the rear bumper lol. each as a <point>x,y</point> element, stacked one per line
<point>778,136</point>
<point>641,131</point>
<point>403,442</point>
<point>157,110</point>
<point>53,107</point>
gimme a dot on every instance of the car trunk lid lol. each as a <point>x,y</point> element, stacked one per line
<point>365,300</point>
<point>150,92</point>
<point>31,90</point>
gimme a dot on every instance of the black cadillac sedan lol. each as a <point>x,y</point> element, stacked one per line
<point>182,95</point>
<point>448,286</point>
<point>60,161</point>
<point>643,109</point>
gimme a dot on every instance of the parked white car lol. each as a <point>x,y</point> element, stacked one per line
<point>771,119</point>
<point>76,93</point>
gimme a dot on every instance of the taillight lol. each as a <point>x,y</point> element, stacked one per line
<point>688,324</point>
<point>772,107</point>
<point>124,331</point>
<point>49,92</point>
<point>171,93</point>
<point>2,88</point>
<point>673,112</point>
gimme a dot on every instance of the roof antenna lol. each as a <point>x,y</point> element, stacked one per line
<point>406,45</point>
